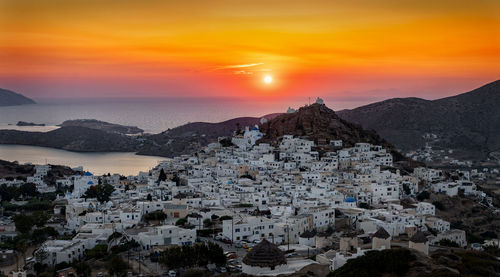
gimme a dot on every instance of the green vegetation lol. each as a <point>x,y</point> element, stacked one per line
<point>225,217</point>
<point>492,250</point>
<point>101,192</point>
<point>448,243</point>
<point>125,246</point>
<point>423,195</point>
<point>377,263</point>
<point>207,223</point>
<point>190,256</point>
<point>476,263</point>
<point>115,235</point>
<point>116,266</point>
<point>26,190</point>
<point>181,222</point>
<point>24,223</point>
<point>156,215</point>
<point>439,205</point>
<point>99,251</point>
<point>162,176</point>
<point>406,189</point>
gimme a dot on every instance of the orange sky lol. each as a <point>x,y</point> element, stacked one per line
<point>334,49</point>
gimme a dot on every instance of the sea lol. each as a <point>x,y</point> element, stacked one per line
<point>151,115</point>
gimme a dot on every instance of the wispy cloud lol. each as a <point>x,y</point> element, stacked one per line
<point>239,65</point>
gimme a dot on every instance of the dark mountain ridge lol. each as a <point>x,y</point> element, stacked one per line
<point>468,122</point>
<point>10,98</point>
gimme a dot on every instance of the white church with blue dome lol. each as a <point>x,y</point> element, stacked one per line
<point>248,139</point>
<point>82,183</point>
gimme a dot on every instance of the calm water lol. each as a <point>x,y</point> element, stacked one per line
<point>98,163</point>
<point>152,115</point>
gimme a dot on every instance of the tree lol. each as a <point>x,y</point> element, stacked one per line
<point>21,245</point>
<point>99,251</point>
<point>149,197</point>
<point>41,254</point>
<point>23,223</point>
<point>82,268</point>
<point>101,192</point>
<point>162,177</point>
<point>116,266</point>
<point>207,223</point>
<point>448,243</point>
<point>225,217</point>
<point>406,189</point>
<point>423,195</point>
<point>156,215</point>
<point>8,192</point>
<point>40,218</point>
<point>180,222</point>
<point>28,189</point>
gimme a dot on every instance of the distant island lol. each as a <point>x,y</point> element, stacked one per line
<point>24,123</point>
<point>104,126</point>
<point>10,98</point>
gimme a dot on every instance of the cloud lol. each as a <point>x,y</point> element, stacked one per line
<point>239,65</point>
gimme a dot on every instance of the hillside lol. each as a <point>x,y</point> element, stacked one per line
<point>409,263</point>
<point>469,122</point>
<point>72,138</point>
<point>10,98</point>
<point>191,137</point>
<point>319,123</point>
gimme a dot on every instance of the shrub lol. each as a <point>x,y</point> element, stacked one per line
<point>423,195</point>
<point>448,243</point>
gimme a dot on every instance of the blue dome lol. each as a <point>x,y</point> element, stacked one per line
<point>88,174</point>
<point>350,199</point>
<point>255,128</point>
<point>90,183</point>
<point>229,182</point>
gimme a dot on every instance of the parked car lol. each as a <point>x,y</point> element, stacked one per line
<point>222,269</point>
<point>172,273</point>
<point>234,268</point>
<point>100,274</point>
<point>293,254</point>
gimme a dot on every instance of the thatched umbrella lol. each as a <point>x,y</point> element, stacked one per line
<point>265,254</point>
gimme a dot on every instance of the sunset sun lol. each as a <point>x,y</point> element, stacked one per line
<point>268,79</point>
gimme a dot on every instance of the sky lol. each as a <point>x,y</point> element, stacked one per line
<point>356,51</point>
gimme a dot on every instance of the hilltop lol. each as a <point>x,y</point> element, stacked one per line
<point>320,124</point>
<point>10,98</point>
<point>468,122</point>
